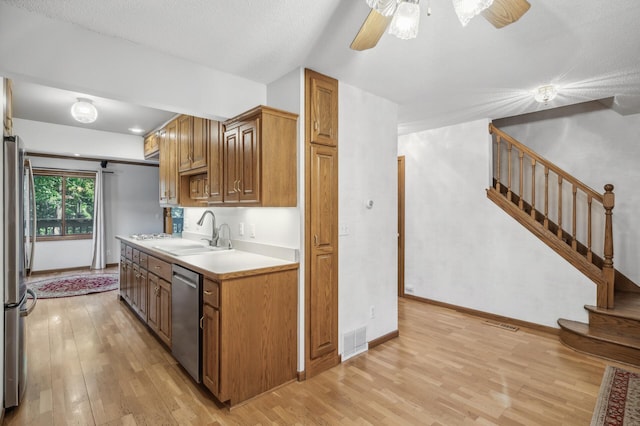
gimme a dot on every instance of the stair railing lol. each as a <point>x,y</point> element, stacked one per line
<point>583,202</point>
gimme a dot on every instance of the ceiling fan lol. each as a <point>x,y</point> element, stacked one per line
<point>403,15</point>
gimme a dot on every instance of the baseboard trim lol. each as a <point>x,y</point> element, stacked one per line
<point>75,268</point>
<point>536,328</point>
<point>384,338</point>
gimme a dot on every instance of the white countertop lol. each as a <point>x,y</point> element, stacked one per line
<point>215,263</point>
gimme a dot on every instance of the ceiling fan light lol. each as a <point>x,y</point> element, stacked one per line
<point>406,20</point>
<point>467,9</point>
<point>84,111</point>
<point>383,7</point>
<point>544,94</point>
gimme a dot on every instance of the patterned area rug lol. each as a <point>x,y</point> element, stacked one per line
<point>619,399</point>
<point>74,285</point>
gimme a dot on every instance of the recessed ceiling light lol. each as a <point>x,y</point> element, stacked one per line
<point>76,155</point>
<point>137,130</point>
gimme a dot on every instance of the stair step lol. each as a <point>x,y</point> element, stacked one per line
<point>600,342</point>
<point>623,320</point>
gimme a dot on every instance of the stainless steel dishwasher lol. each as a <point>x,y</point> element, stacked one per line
<point>186,302</point>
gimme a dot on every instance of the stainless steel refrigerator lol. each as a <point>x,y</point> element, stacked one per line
<point>19,225</point>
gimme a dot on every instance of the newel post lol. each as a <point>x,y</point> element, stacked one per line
<point>608,202</point>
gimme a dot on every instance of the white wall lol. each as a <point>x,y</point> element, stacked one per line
<point>368,250</point>
<point>131,191</point>
<point>464,250</point>
<point>69,140</point>
<point>66,56</point>
<point>598,146</point>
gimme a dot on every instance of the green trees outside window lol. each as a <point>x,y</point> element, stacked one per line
<point>64,204</point>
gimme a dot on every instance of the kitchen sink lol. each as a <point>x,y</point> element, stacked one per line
<point>183,248</point>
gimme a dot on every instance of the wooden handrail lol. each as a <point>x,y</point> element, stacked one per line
<point>576,250</point>
<point>557,170</point>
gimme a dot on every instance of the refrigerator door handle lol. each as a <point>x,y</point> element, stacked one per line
<point>27,311</point>
<point>32,190</point>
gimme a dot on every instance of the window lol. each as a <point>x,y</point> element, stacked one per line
<point>64,204</point>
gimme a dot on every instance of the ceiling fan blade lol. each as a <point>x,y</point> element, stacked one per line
<point>371,30</point>
<point>504,12</point>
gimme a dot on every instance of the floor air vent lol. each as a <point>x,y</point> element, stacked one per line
<point>354,342</point>
<point>502,325</point>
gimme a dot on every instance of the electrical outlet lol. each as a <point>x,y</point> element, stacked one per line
<point>253,230</point>
<point>241,229</point>
<point>108,252</point>
<point>343,230</point>
<point>408,289</point>
<point>372,312</point>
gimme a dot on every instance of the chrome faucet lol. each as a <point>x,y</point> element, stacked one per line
<point>224,225</point>
<point>214,231</point>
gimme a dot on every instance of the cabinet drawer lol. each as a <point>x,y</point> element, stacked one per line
<point>136,256</point>
<point>159,268</point>
<point>122,249</point>
<point>143,260</point>
<point>210,293</point>
<point>128,252</point>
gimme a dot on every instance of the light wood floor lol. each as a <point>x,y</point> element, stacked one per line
<point>91,362</point>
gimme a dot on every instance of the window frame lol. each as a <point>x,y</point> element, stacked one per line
<point>64,174</point>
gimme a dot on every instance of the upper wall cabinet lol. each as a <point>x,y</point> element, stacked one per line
<point>169,165</point>
<point>152,145</point>
<point>259,158</point>
<point>323,104</point>
<point>192,143</point>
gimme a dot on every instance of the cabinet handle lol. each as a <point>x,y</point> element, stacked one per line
<point>206,189</point>
<point>156,267</point>
<point>315,239</point>
<point>202,323</point>
<point>315,125</point>
<point>239,185</point>
<point>235,185</point>
<point>208,293</point>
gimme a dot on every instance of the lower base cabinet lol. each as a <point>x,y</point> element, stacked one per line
<point>249,334</point>
<point>159,307</point>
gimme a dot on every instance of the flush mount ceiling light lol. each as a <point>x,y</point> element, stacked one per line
<point>136,130</point>
<point>467,9</point>
<point>544,94</point>
<point>406,20</point>
<point>84,111</point>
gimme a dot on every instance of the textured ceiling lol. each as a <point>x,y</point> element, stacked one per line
<point>449,74</point>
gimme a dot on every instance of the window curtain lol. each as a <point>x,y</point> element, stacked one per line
<point>99,246</point>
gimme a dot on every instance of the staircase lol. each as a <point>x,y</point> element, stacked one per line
<point>584,237</point>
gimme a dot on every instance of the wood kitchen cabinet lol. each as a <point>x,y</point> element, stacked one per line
<point>210,325</point>
<point>152,145</point>
<point>259,158</point>
<point>215,184</point>
<point>145,285</point>
<point>192,143</point>
<point>169,165</point>
<point>249,341</point>
<point>321,223</point>
<point>323,111</point>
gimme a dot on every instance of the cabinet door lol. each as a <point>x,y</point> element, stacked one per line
<point>135,287</point>
<point>199,143</point>
<point>323,109</point>
<point>123,275</point>
<point>210,347</point>
<point>323,291</point>
<point>164,164</point>
<point>172,166</point>
<point>143,291</point>
<point>164,308</point>
<point>151,145</point>
<point>231,163</point>
<point>185,142</point>
<point>214,187</point>
<point>152,305</point>
<point>129,281</point>
<point>249,159</point>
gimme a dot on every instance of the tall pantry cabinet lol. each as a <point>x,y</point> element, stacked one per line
<point>321,233</point>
